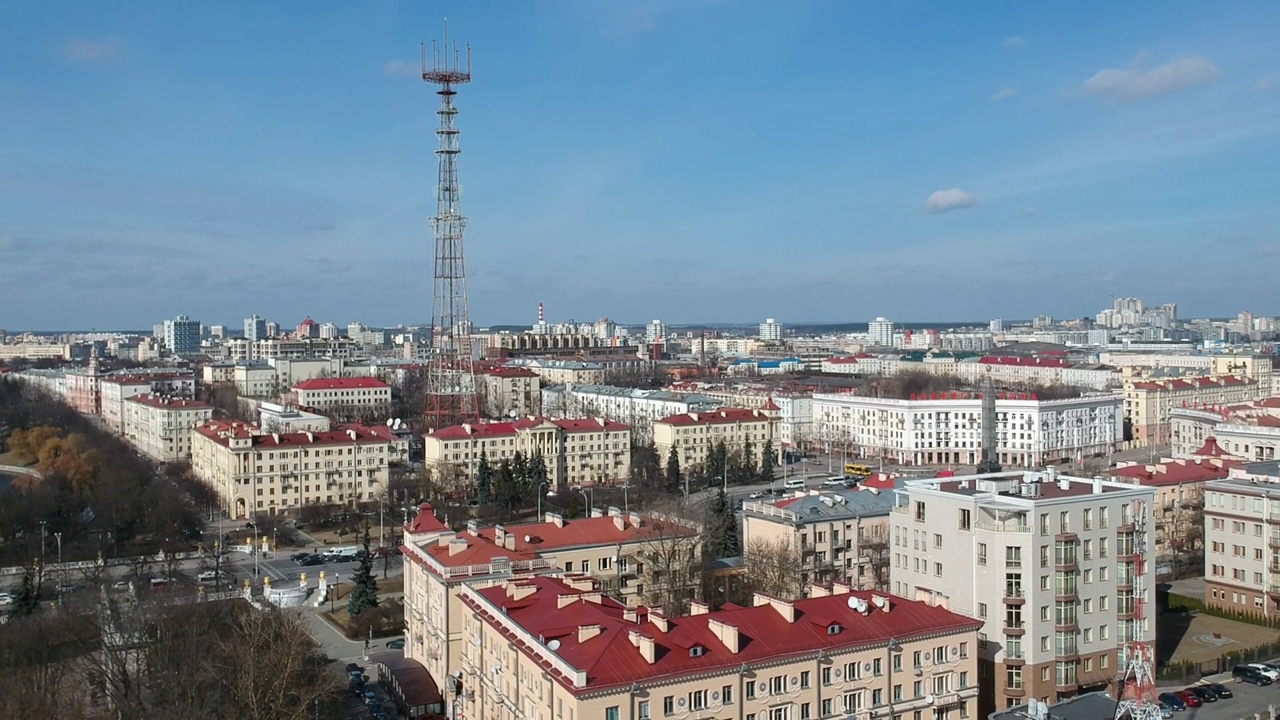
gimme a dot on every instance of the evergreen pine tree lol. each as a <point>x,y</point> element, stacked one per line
<point>673,471</point>
<point>747,465</point>
<point>28,598</point>
<point>768,461</point>
<point>506,493</point>
<point>484,478</point>
<point>538,473</point>
<point>364,592</point>
<point>520,469</point>
<point>722,528</point>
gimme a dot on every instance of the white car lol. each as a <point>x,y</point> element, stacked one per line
<point>1266,670</point>
<point>208,576</point>
<point>837,481</point>
<point>7,599</point>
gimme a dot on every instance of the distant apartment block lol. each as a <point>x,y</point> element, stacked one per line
<point>771,330</point>
<point>974,369</point>
<point>1242,541</point>
<point>1248,431</point>
<point>694,435</point>
<point>1048,563</point>
<point>160,426</point>
<point>583,451</point>
<point>255,472</point>
<point>1179,503</point>
<point>638,409</point>
<point>181,336</point>
<point>1149,404</point>
<point>116,388</point>
<point>277,418</point>
<point>946,428</point>
<point>510,391</point>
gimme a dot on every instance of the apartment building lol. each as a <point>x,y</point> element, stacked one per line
<point>546,647</point>
<point>626,553</point>
<point>638,409</point>
<point>1249,431</point>
<point>795,410</point>
<point>254,471</point>
<point>115,389</point>
<point>1149,404</point>
<point>595,371</point>
<point>1242,540</point>
<point>255,379</point>
<point>693,435</point>
<point>945,428</point>
<point>277,418</point>
<point>584,451</point>
<point>160,426</point>
<point>347,398</point>
<point>1179,501</point>
<point>841,536</point>
<point>1048,563</point>
<point>971,368</point>
<point>510,392</point>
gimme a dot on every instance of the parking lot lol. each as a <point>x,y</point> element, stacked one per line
<point>1249,699</point>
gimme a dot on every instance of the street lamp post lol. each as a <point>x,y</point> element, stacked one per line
<point>62,572</point>
<point>538,491</point>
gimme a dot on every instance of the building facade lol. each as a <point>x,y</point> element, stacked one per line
<point>160,426</point>
<point>1242,541</point>
<point>946,428</point>
<point>1048,563</point>
<point>1149,404</point>
<point>840,536</point>
<point>586,451</point>
<point>347,398</point>
<point>1178,508</point>
<point>1248,431</point>
<point>694,435</point>
<point>259,472</point>
<point>555,648</point>
<point>638,409</point>
<point>182,336</point>
<point>771,330</point>
<point>880,332</point>
<point>510,392</point>
<point>116,388</point>
<point>622,552</point>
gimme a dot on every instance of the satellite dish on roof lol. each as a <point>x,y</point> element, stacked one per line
<point>554,645</point>
<point>853,603</point>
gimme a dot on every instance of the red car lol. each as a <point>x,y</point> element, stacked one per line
<point>1189,699</point>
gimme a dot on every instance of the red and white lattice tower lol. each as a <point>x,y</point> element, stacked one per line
<point>451,380</point>
<point>1136,688</point>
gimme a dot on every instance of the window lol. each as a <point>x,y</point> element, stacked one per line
<point>611,713</point>
<point>751,691</point>
<point>875,667</point>
<point>1044,524</point>
<point>644,710</point>
<point>826,676</point>
<point>964,679</point>
<point>1013,677</point>
<point>726,694</point>
<point>1044,556</point>
<point>780,713</point>
<point>982,612</point>
<point>1088,518</point>
<point>937,569</point>
<point>804,712</point>
<point>919,511</point>
<point>1013,557</point>
<point>668,705</point>
<point>804,680</point>
<point>915,659</point>
<point>897,662</point>
<point>917,689</point>
<point>937,540</point>
<point>698,700</point>
<point>964,519</point>
<point>982,553</point>
<point>777,684</point>
<point>897,693</point>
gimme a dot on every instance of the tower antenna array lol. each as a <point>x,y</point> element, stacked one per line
<point>451,380</point>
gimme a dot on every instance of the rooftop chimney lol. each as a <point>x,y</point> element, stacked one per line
<point>556,519</point>
<point>648,649</point>
<point>727,634</point>
<point>1097,484</point>
<point>619,523</point>
<point>659,620</point>
<point>499,534</point>
<point>697,607</point>
<point>473,528</point>
<point>586,632</point>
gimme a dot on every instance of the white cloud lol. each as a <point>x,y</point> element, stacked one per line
<point>1015,41</point>
<point>1006,93</point>
<point>1136,82</point>
<point>82,50</point>
<point>402,68</point>
<point>1266,84</point>
<point>942,201</point>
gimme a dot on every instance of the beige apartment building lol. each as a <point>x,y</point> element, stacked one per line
<point>635,558</point>
<point>259,472</point>
<point>118,388</point>
<point>347,398</point>
<point>1249,431</point>
<point>510,392</point>
<point>1048,563</point>
<point>586,451</point>
<point>693,435</point>
<point>1179,500</point>
<point>544,648</point>
<point>1242,541</point>
<point>840,536</point>
<point>1148,404</point>
<point>160,426</point>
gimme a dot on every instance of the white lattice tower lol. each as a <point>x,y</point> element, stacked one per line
<point>1137,687</point>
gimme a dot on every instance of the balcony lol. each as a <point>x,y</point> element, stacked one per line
<point>1015,692</point>
<point>1066,563</point>
<point>1273,541</point>
<point>1066,593</point>
<point>1002,526</point>
<point>1015,630</point>
<point>1014,595</point>
<point>1066,624</point>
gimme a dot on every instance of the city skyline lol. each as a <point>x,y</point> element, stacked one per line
<point>953,164</point>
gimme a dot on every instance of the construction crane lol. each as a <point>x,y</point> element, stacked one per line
<point>1135,686</point>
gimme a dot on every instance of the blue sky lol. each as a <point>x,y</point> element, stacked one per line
<point>694,160</point>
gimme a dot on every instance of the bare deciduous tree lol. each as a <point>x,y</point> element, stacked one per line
<point>874,547</point>
<point>774,567</point>
<point>671,559</point>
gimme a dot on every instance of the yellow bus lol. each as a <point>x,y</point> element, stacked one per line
<point>856,470</point>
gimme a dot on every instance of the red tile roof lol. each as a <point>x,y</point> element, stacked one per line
<point>1176,472</point>
<point>221,431</point>
<point>609,659</point>
<point>723,416</point>
<point>509,372</point>
<point>1211,448</point>
<point>340,383</point>
<point>769,404</point>
<point>1024,361</point>
<point>144,378</point>
<point>425,521</point>
<point>502,429</point>
<point>483,547</point>
<point>164,401</point>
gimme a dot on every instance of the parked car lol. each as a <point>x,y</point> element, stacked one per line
<point>837,481</point>
<point>299,556</point>
<point>1271,673</point>
<point>1173,701</point>
<point>1247,673</point>
<point>7,599</point>
<point>397,644</point>
<point>758,494</point>
<point>1222,691</point>
<point>369,697</point>
<point>353,667</point>
<point>1189,699</point>
<point>208,576</point>
<point>1204,693</point>
<point>1165,711</point>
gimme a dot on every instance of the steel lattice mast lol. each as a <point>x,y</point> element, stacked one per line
<point>1136,687</point>
<point>451,381</point>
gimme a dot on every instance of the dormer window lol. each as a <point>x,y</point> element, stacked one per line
<point>834,629</point>
<point>697,651</point>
